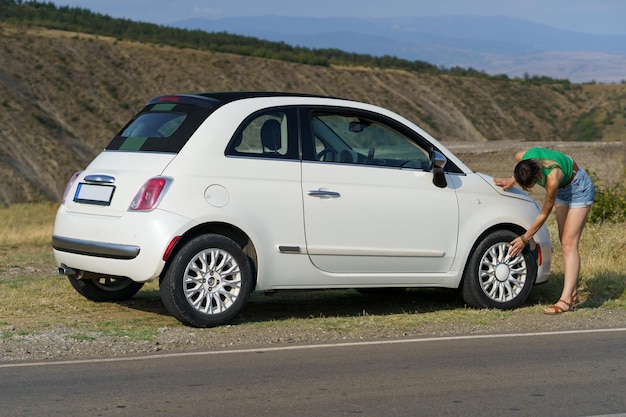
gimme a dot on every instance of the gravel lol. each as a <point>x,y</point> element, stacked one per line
<point>61,343</point>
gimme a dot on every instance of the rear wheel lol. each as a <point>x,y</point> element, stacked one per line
<point>493,279</point>
<point>208,282</point>
<point>105,288</point>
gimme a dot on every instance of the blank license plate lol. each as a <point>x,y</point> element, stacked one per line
<point>94,194</point>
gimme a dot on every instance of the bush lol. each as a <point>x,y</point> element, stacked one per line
<point>609,205</point>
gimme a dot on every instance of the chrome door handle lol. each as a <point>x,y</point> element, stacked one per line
<point>323,193</point>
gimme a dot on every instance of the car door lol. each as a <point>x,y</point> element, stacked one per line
<point>370,205</point>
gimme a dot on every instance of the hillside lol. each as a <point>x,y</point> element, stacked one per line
<point>63,95</point>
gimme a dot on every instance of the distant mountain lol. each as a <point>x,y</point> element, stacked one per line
<point>495,45</point>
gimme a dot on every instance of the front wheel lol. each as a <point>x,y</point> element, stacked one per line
<point>492,279</point>
<point>105,288</point>
<point>208,282</point>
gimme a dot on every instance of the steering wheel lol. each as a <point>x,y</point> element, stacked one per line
<point>326,154</point>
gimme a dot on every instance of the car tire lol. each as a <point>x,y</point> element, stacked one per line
<point>208,283</point>
<point>105,288</point>
<point>494,280</point>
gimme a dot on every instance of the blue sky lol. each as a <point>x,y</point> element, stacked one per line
<point>589,16</point>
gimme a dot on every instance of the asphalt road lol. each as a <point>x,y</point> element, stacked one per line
<point>548,374</point>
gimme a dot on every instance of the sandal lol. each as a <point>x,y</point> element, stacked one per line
<point>555,309</point>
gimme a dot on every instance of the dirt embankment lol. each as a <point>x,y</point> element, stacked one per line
<point>64,95</point>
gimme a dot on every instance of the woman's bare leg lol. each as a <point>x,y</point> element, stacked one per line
<point>571,223</point>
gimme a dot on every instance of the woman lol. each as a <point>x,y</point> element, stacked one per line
<point>570,188</point>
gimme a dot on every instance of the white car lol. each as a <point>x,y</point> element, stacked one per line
<point>218,195</point>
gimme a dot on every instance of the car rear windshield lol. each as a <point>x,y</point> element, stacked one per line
<point>160,127</point>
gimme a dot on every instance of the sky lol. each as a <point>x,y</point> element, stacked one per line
<point>605,17</point>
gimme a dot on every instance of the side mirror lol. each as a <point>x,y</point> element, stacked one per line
<point>437,162</point>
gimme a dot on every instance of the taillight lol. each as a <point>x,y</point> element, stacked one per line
<point>69,186</point>
<point>149,196</point>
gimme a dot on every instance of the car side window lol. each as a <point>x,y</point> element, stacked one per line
<point>354,139</point>
<point>265,135</point>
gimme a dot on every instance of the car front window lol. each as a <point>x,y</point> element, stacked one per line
<point>361,140</point>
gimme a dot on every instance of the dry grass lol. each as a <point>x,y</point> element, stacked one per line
<point>26,225</point>
<point>603,270</point>
<point>34,299</point>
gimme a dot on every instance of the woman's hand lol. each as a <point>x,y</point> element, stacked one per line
<point>505,183</point>
<point>517,246</point>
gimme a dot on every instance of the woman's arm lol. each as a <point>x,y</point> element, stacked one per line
<point>552,185</point>
<point>507,183</point>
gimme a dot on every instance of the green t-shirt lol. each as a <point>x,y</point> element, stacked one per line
<point>562,161</point>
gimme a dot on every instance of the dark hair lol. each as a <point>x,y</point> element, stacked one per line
<point>527,173</point>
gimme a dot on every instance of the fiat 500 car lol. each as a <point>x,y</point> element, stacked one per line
<point>218,195</point>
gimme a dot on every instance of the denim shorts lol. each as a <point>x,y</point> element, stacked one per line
<point>577,194</point>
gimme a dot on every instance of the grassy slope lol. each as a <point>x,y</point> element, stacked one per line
<point>63,96</point>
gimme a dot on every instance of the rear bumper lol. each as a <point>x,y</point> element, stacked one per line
<point>129,246</point>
